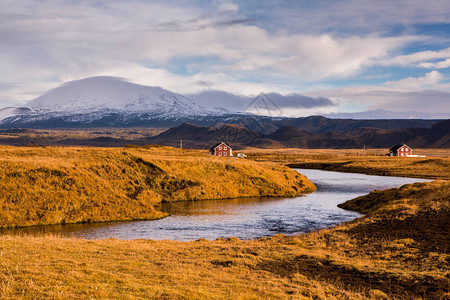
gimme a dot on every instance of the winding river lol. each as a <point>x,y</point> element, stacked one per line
<point>244,218</point>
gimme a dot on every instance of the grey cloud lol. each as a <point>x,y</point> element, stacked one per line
<point>200,23</point>
<point>234,22</point>
<point>241,102</point>
<point>299,101</point>
<point>221,99</point>
<point>8,86</point>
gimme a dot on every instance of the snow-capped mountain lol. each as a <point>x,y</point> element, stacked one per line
<point>108,101</point>
<point>111,93</point>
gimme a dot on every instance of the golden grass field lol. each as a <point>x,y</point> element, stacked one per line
<point>53,185</point>
<point>398,250</point>
<point>436,164</point>
<point>428,152</point>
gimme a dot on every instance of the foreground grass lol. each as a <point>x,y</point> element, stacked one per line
<point>398,250</point>
<point>54,185</point>
<point>347,161</point>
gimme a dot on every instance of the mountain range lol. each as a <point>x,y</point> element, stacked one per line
<point>113,102</point>
<point>437,136</point>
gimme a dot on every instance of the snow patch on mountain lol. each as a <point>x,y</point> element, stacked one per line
<point>109,101</point>
<point>112,94</point>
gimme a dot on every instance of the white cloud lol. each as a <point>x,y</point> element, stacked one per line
<point>421,59</point>
<point>436,65</point>
<point>228,7</point>
<point>325,56</point>
<point>429,80</point>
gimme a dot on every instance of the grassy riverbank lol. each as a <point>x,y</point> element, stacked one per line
<point>53,185</point>
<point>398,250</point>
<point>348,161</point>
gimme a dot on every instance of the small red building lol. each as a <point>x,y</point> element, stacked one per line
<point>400,150</point>
<point>221,149</point>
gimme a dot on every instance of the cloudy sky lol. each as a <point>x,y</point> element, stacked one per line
<point>324,56</point>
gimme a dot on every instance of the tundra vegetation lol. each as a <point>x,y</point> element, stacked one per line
<point>399,249</point>
<point>55,185</point>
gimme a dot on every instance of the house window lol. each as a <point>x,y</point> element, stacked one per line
<point>220,153</point>
<point>220,148</point>
<point>224,148</point>
<point>224,154</point>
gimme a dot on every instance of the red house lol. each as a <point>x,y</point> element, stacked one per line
<point>221,149</point>
<point>400,150</point>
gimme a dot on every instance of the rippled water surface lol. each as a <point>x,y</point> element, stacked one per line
<point>243,218</point>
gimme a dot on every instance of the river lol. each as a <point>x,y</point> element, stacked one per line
<point>244,218</point>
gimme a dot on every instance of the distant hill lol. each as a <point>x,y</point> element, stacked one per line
<point>319,124</point>
<point>438,136</point>
<point>190,132</point>
<point>290,136</point>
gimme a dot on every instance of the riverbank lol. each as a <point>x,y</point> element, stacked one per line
<point>60,185</point>
<point>347,161</point>
<point>398,250</point>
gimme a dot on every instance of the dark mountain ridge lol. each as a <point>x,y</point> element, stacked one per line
<point>438,136</point>
<point>319,124</point>
<point>227,132</point>
<point>202,137</point>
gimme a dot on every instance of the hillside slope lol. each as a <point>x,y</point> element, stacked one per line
<point>40,186</point>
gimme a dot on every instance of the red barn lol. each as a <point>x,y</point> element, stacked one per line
<point>221,149</point>
<point>400,150</point>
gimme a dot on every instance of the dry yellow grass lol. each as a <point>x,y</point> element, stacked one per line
<point>347,161</point>
<point>428,152</point>
<point>40,186</point>
<point>399,250</point>
<point>390,253</point>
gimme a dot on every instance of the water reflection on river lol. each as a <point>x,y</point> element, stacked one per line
<point>243,218</point>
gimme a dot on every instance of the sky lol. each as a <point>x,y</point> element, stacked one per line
<point>313,57</point>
